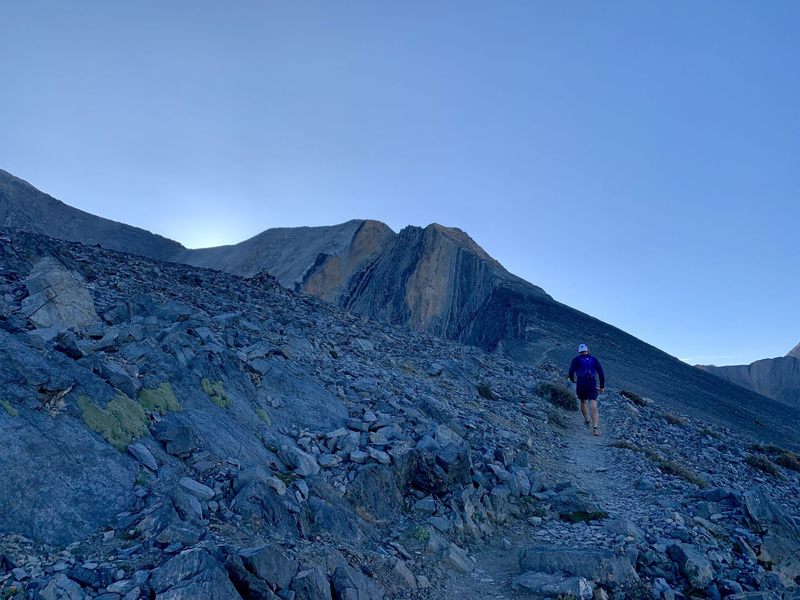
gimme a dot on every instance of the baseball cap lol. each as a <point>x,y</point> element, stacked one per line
<point>583,348</point>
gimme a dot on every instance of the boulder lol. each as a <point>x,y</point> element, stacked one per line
<point>192,574</point>
<point>595,564</point>
<point>554,585</point>
<point>312,585</point>
<point>57,297</point>
<point>780,546</point>
<point>692,563</point>
<point>302,463</point>
<point>270,564</point>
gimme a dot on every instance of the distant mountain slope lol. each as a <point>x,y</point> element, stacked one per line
<point>776,378</point>
<point>24,207</point>
<point>437,280</point>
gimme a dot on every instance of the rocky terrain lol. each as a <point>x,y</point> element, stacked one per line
<point>174,432</point>
<point>436,280</point>
<point>776,378</point>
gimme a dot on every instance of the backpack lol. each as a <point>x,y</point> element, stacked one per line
<point>585,368</point>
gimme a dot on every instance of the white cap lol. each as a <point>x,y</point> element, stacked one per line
<point>583,348</point>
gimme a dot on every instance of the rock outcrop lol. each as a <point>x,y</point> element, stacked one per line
<point>776,378</point>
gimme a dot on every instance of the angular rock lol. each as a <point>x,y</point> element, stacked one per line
<point>192,574</point>
<point>270,564</point>
<point>57,297</point>
<point>301,462</point>
<point>554,585</point>
<point>142,453</point>
<point>594,564</point>
<point>195,488</point>
<point>312,585</point>
<point>61,587</point>
<point>456,559</point>
<point>692,563</point>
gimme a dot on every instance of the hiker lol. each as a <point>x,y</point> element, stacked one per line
<point>586,367</point>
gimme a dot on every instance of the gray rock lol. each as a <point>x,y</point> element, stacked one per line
<point>554,585</point>
<point>57,297</point>
<point>692,563</point>
<point>196,489</point>
<point>594,564</point>
<point>351,584</point>
<point>301,462</point>
<point>312,585</point>
<point>374,490</point>
<point>190,575</point>
<point>780,546</point>
<point>61,587</point>
<point>456,559</point>
<point>270,564</point>
<point>142,453</point>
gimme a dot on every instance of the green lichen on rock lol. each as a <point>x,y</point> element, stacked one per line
<point>262,414</point>
<point>9,409</point>
<point>121,422</point>
<point>161,399</point>
<point>216,393</point>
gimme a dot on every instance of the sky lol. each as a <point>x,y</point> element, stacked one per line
<point>640,161</point>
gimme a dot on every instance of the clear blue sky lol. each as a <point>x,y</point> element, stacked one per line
<point>638,160</point>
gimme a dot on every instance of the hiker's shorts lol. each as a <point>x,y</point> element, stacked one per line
<point>587,390</point>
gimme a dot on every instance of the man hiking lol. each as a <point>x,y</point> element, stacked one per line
<point>586,367</point>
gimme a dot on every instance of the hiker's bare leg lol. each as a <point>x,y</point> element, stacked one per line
<point>584,411</point>
<point>595,416</point>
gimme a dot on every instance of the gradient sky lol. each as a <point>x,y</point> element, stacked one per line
<point>638,160</point>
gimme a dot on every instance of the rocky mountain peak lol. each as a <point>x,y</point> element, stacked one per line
<point>794,352</point>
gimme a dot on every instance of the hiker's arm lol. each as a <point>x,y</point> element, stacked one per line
<point>572,371</point>
<point>600,373</point>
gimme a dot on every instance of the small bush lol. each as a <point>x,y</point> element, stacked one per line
<point>634,397</point>
<point>625,444</point>
<point>216,393</point>
<point>709,432</point>
<point>555,417</point>
<point>558,395</point>
<point>674,419</point>
<point>670,467</point>
<point>420,533</point>
<point>788,459</point>
<point>485,391</point>
<point>763,464</point>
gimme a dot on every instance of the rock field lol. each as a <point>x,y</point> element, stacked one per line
<point>173,432</point>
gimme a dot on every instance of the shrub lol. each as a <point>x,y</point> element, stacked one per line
<point>762,463</point>
<point>634,397</point>
<point>670,467</point>
<point>674,419</point>
<point>558,395</point>
<point>161,399</point>
<point>216,393</point>
<point>485,391</point>
<point>788,459</point>
<point>624,444</point>
<point>556,418</point>
<point>121,422</point>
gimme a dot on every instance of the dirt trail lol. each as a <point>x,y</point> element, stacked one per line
<point>588,462</point>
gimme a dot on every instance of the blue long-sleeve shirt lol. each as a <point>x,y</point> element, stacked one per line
<point>586,366</point>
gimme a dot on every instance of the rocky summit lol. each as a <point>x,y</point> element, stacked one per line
<point>174,432</point>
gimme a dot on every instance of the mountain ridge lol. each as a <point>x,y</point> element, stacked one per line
<point>438,280</point>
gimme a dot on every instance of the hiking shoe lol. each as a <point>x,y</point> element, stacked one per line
<point>595,431</point>
<point>588,424</point>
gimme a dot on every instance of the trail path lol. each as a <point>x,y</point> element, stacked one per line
<point>591,464</point>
